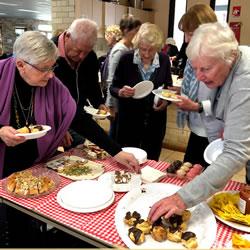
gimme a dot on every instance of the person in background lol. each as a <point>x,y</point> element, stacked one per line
<point>129,27</point>
<point>3,55</point>
<point>142,122</point>
<point>220,63</point>
<point>170,48</point>
<point>196,99</point>
<point>113,35</point>
<point>78,70</point>
<point>30,94</point>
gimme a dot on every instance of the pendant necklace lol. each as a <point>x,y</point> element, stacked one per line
<point>23,109</point>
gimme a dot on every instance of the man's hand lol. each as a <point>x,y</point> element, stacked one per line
<point>7,134</point>
<point>167,207</point>
<point>128,160</point>
<point>187,104</point>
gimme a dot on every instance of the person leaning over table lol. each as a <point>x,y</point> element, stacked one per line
<point>195,106</point>
<point>30,94</point>
<point>220,63</point>
<point>78,70</point>
<point>141,122</point>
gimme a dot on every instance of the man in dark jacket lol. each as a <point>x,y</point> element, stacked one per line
<point>78,70</point>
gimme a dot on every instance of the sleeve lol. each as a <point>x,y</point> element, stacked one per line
<point>169,80</point>
<point>235,154</point>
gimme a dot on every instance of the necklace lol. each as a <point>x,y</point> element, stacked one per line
<point>23,109</point>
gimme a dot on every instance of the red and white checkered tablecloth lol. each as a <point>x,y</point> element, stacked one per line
<point>101,224</point>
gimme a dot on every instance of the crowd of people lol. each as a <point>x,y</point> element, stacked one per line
<point>50,82</point>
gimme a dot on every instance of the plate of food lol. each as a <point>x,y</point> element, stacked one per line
<point>31,183</point>
<point>167,94</point>
<point>213,150</point>
<point>33,131</point>
<point>76,168</point>
<point>96,113</point>
<point>197,225</point>
<point>225,208</point>
<point>143,89</point>
<point>121,181</point>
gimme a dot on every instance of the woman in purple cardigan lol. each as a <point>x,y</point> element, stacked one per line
<point>141,122</point>
<point>30,94</point>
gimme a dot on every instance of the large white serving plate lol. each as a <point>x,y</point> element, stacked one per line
<point>213,150</point>
<point>35,135</point>
<point>85,196</point>
<point>202,221</point>
<point>232,224</point>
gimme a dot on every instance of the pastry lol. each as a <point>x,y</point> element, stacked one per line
<point>173,234</point>
<point>174,166</point>
<point>130,219</point>
<point>136,235</point>
<point>23,130</point>
<point>189,240</point>
<point>159,233</point>
<point>144,225</point>
<point>122,177</point>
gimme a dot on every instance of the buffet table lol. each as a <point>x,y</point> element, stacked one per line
<point>97,228</point>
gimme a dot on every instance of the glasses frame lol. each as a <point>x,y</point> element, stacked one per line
<point>45,70</point>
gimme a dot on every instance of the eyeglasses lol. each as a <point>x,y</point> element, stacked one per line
<point>43,70</point>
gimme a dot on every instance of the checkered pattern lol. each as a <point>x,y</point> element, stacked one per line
<point>101,225</point>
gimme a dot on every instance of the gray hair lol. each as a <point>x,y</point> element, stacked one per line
<point>151,34</point>
<point>84,29</point>
<point>214,40</point>
<point>35,48</point>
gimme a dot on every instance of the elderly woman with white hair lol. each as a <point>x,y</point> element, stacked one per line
<point>220,63</point>
<point>141,123</point>
<point>30,94</point>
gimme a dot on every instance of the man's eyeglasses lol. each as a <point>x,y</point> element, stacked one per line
<point>43,70</point>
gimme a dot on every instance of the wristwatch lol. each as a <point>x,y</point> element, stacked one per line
<point>200,110</point>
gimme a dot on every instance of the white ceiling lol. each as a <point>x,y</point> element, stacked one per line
<point>28,9</point>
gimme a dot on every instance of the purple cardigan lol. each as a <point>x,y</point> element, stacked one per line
<point>54,106</point>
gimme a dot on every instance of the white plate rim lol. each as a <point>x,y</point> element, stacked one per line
<point>141,161</point>
<point>157,92</point>
<point>149,90</point>
<point>232,224</point>
<point>35,135</point>
<point>124,188</point>
<point>90,110</point>
<point>205,154</point>
<point>129,197</point>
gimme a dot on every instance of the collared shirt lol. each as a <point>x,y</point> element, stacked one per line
<point>146,73</point>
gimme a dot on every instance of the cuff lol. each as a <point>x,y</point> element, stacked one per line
<point>207,107</point>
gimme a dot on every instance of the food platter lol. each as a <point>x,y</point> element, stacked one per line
<point>96,113</point>
<point>85,196</point>
<point>202,221</point>
<point>31,188</point>
<point>232,224</point>
<point>108,179</point>
<point>166,94</point>
<point>143,89</point>
<point>35,135</point>
<point>76,168</point>
<point>213,150</point>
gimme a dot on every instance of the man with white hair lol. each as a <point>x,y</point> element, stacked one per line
<point>78,70</point>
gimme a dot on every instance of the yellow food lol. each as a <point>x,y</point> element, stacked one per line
<point>239,242</point>
<point>169,94</point>
<point>225,205</point>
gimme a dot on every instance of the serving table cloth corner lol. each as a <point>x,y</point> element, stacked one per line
<point>100,226</point>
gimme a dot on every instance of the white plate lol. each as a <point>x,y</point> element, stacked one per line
<point>158,92</point>
<point>202,221</point>
<point>143,89</point>
<point>230,223</point>
<point>213,150</point>
<point>149,174</point>
<point>35,135</point>
<point>139,154</point>
<point>85,195</point>
<point>97,168</point>
<point>108,179</point>
<point>94,112</point>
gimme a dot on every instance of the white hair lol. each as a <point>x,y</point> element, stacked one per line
<point>83,29</point>
<point>215,40</point>
<point>35,48</point>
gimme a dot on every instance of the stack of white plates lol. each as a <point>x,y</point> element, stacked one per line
<point>85,196</point>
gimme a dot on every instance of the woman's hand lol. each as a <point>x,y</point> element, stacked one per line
<point>126,91</point>
<point>128,160</point>
<point>103,107</point>
<point>167,207</point>
<point>187,104</point>
<point>67,140</point>
<point>8,136</point>
<point>161,105</point>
